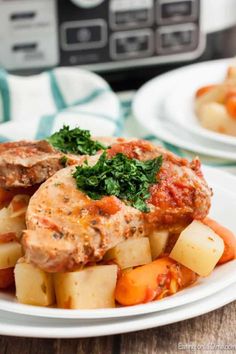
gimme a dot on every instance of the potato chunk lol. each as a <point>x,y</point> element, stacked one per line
<point>214,116</point>
<point>90,288</point>
<point>158,241</point>
<point>198,248</point>
<point>11,224</point>
<point>130,253</point>
<point>33,285</point>
<point>9,254</point>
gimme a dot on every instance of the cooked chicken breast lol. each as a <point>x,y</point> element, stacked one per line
<point>67,229</point>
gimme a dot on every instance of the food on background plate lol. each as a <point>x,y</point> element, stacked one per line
<point>122,223</point>
<point>215,105</point>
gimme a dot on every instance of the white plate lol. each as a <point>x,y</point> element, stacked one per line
<point>179,104</point>
<point>27,326</point>
<point>224,186</point>
<point>148,110</point>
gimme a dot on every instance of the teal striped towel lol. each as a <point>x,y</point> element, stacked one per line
<point>35,106</point>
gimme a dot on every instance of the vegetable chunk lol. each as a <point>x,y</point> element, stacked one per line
<point>130,253</point>
<point>152,281</point>
<point>90,288</point>
<point>199,248</point>
<point>158,241</point>
<point>227,236</point>
<point>33,285</point>
<point>9,224</point>
<point>10,252</point>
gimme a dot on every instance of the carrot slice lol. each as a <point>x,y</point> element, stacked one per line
<point>227,236</point>
<point>231,106</point>
<point>155,280</point>
<point>6,278</point>
<point>204,89</point>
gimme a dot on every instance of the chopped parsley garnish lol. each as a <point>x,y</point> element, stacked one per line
<point>75,141</point>
<point>125,178</point>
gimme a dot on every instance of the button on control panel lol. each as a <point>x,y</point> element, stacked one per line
<point>84,34</point>
<point>176,11</point>
<point>131,44</point>
<point>174,39</point>
<point>125,14</point>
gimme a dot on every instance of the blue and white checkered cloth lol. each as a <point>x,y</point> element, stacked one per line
<point>34,107</point>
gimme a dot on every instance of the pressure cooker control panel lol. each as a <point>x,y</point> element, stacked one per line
<point>99,34</point>
<point>122,33</point>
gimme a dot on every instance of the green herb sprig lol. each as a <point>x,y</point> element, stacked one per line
<point>125,178</point>
<point>75,141</point>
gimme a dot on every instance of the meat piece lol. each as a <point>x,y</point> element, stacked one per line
<point>67,229</point>
<point>27,163</point>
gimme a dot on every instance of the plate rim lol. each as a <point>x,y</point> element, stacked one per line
<point>181,313</point>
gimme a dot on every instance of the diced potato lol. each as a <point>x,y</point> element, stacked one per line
<point>130,253</point>
<point>9,254</point>
<point>18,205</point>
<point>231,73</point>
<point>216,95</point>
<point>90,288</point>
<point>9,224</point>
<point>214,116</point>
<point>33,285</point>
<point>198,248</point>
<point>158,241</point>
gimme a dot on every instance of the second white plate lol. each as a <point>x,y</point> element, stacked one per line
<point>148,108</point>
<point>179,103</point>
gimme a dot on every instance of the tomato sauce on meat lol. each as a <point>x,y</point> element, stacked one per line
<point>133,149</point>
<point>172,190</point>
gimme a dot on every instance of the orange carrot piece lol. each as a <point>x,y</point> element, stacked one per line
<point>230,104</point>
<point>227,236</point>
<point>6,278</point>
<point>152,281</point>
<point>231,92</point>
<point>204,89</point>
